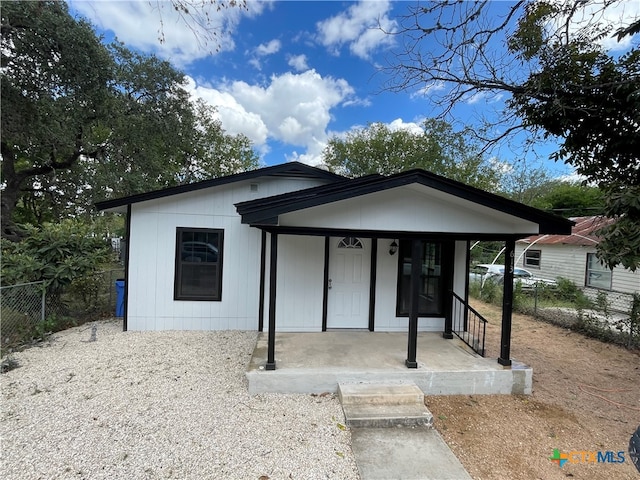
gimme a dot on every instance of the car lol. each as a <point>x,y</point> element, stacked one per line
<point>495,272</point>
<point>199,252</point>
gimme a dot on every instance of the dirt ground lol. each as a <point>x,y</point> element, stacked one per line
<point>586,397</point>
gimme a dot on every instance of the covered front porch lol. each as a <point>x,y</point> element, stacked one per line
<point>317,362</point>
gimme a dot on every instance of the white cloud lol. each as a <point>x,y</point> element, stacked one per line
<point>399,124</point>
<point>298,62</point>
<point>293,108</point>
<point>234,117</point>
<point>483,96</point>
<point>615,15</point>
<point>362,26</point>
<point>268,48</point>
<point>264,50</point>
<point>143,24</point>
<point>429,89</point>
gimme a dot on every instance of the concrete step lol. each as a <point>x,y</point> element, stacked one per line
<point>382,416</point>
<point>380,394</point>
<point>376,405</point>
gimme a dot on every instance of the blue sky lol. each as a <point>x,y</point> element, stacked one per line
<point>288,74</point>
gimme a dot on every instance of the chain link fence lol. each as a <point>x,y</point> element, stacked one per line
<point>600,315</point>
<point>22,309</point>
<point>28,311</point>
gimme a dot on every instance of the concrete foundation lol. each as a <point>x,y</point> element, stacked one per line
<point>317,362</point>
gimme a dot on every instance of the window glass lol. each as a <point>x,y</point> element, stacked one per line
<point>598,275</point>
<point>350,242</point>
<point>532,258</point>
<point>198,264</point>
<point>431,279</point>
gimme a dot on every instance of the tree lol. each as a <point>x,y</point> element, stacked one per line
<point>561,84</point>
<point>569,199</point>
<point>82,121</point>
<point>524,182</point>
<point>51,66</point>
<point>437,148</point>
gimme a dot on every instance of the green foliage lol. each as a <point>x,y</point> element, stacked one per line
<point>632,324</point>
<point>491,291</point>
<point>436,148</point>
<point>485,252</point>
<point>83,122</point>
<point>570,199</point>
<point>569,291</point>
<point>620,241</point>
<point>590,100</point>
<point>562,86</point>
<point>55,253</point>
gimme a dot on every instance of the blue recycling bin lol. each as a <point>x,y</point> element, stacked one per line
<point>120,297</point>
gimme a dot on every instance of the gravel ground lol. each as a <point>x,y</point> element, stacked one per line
<point>160,405</point>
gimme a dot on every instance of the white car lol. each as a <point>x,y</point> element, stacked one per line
<point>496,272</point>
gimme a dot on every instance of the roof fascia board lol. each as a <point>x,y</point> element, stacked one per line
<point>290,169</point>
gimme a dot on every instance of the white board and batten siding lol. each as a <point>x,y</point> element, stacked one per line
<point>300,284</point>
<point>152,250</point>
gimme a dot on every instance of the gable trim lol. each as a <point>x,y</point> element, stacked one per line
<point>290,169</point>
<point>266,211</point>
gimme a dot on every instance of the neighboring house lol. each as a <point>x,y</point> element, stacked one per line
<point>299,249</point>
<point>573,257</point>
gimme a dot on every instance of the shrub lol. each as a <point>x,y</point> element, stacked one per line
<point>491,291</point>
<point>56,253</point>
<point>569,291</point>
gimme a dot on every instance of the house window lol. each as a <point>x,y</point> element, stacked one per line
<point>198,264</point>
<point>532,258</point>
<point>432,286</point>
<point>598,275</point>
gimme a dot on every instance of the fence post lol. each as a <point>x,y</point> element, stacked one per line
<point>44,290</point>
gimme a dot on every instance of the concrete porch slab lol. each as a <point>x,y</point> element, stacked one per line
<point>317,362</point>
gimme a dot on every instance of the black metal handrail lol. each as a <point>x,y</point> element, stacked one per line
<point>468,325</point>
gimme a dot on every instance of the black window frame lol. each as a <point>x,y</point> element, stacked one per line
<point>445,278</point>
<point>216,294</point>
<point>525,259</point>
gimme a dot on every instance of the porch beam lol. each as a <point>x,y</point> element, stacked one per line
<point>271,341</point>
<point>414,300</point>
<point>507,304</point>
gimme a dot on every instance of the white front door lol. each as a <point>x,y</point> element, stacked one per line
<point>349,277</point>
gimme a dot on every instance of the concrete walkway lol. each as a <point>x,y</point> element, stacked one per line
<point>404,453</point>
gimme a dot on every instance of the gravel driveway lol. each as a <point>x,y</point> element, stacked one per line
<point>160,405</point>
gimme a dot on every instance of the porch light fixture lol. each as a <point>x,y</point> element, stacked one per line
<point>393,248</point>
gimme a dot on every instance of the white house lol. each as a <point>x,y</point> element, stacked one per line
<point>298,249</point>
<point>573,257</point>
